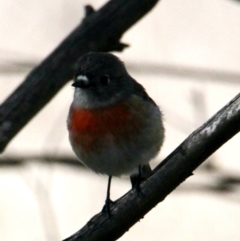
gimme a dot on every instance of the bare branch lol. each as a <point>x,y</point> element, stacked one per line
<point>99,31</point>
<point>178,166</point>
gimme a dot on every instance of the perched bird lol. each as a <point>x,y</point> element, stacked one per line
<point>114,127</point>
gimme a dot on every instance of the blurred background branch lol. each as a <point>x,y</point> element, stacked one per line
<point>182,72</point>
<point>99,31</point>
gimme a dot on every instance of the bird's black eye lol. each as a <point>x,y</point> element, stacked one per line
<point>104,80</point>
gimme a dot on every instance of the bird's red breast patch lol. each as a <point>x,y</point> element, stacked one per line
<point>90,127</point>
<point>98,121</point>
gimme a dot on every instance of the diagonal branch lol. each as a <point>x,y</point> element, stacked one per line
<point>178,166</point>
<point>99,31</point>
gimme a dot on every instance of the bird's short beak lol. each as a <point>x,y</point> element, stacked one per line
<point>79,84</point>
<point>81,81</point>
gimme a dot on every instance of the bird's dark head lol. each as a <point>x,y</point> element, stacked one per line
<point>101,79</point>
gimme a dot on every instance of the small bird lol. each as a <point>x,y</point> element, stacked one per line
<point>114,127</point>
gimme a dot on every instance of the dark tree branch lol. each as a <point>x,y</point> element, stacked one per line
<point>99,31</point>
<point>170,173</point>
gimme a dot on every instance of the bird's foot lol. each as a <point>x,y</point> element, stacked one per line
<point>144,171</point>
<point>106,208</point>
<point>136,181</point>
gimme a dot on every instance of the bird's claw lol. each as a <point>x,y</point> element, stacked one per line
<point>106,207</point>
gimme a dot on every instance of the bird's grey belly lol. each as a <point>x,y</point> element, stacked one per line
<point>118,159</point>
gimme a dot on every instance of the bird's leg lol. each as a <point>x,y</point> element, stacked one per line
<point>144,171</point>
<point>106,207</point>
<point>136,179</point>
